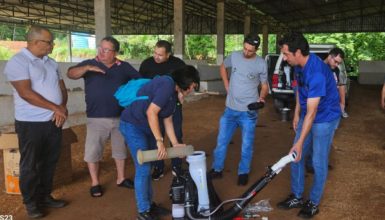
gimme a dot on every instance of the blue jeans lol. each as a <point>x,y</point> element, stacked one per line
<point>230,120</point>
<point>140,137</point>
<point>318,141</point>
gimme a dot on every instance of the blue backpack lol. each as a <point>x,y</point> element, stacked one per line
<point>127,93</point>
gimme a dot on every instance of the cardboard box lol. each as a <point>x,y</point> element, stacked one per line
<point>10,146</point>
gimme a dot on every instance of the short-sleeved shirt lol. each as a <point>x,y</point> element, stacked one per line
<point>246,75</point>
<point>161,92</point>
<point>149,68</point>
<point>44,75</point>
<point>315,79</point>
<point>100,88</point>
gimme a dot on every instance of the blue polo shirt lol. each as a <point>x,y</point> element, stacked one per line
<point>315,79</point>
<point>161,92</point>
<point>100,88</point>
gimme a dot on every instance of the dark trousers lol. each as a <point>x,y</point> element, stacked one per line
<point>177,119</point>
<point>39,145</point>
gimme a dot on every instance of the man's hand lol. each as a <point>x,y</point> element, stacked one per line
<point>162,153</point>
<point>95,69</point>
<point>297,147</point>
<point>60,115</point>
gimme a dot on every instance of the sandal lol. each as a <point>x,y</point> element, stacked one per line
<point>96,191</point>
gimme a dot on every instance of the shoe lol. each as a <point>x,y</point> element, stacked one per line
<point>215,174</point>
<point>50,202</point>
<point>243,179</point>
<point>291,202</point>
<point>344,115</point>
<point>96,191</point>
<point>33,211</point>
<point>157,210</point>
<point>126,183</point>
<point>308,210</point>
<point>176,171</point>
<point>146,216</point>
<point>157,174</point>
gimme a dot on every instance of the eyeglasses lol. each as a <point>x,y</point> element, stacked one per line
<point>50,42</point>
<point>336,61</point>
<point>105,50</point>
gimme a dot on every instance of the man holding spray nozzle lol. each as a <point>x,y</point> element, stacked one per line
<point>317,114</point>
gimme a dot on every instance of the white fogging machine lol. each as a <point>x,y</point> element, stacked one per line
<point>193,194</point>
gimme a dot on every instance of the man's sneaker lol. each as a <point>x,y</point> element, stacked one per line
<point>146,216</point>
<point>291,202</point>
<point>157,173</point>
<point>345,115</point>
<point>33,211</point>
<point>243,179</point>
<point>50,202</point>
<point>215,174</point>
<point>157,210</point>
<point>176,171</point>
<point>308,210</point>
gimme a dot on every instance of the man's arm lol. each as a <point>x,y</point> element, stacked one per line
<point>24,89</point>
<point>297,111</point>
<point>153,121</point>
<point>264,92</point>
<point>312,105</point>
<point>383,97</point>
<point>341,91</point>
<point>77,72</point>
<point>224,76</point>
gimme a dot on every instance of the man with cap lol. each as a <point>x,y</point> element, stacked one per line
<point>248,71</point>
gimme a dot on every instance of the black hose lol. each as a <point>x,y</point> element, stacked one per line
<point>235,209</point>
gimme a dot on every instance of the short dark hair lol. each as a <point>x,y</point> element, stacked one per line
<point>165,44</point>
<point>185,76</point>
<point>337,51</point>
<point>295,41</point>
<point>114,42</point>
<point>253,39</point>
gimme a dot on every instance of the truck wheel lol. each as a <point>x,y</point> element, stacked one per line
<point>278,104</point>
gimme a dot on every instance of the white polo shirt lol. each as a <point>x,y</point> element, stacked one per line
<point>44,75</point>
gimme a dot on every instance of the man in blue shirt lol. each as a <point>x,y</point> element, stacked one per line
<point>102,77</point>
<point>317,114</point>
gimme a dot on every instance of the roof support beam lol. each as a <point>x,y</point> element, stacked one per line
<point>220,31</point>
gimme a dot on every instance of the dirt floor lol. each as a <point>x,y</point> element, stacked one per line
<point>355,188</point>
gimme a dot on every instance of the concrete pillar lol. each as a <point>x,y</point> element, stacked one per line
<point>247,24</point>
<point>102,19</point>
<point>220,31</point>
<point>265,42</point>
<point>178,28</point>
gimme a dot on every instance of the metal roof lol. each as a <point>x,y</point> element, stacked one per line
<point>156,16</point>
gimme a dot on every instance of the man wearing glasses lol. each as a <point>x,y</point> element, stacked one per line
<point>102,77</point>
<point>248,71</point>
<point>317,114</point>
<point>334,59</point>
<point>40,99</point>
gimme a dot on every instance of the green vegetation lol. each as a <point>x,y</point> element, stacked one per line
<point>357,46</point>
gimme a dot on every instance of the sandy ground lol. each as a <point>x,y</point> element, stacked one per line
<point>355,188</point>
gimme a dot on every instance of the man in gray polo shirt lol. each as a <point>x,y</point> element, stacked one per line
<point>248,71</point>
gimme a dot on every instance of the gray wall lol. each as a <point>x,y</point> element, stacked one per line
<point>211,82</point>
<point>371,72</point>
